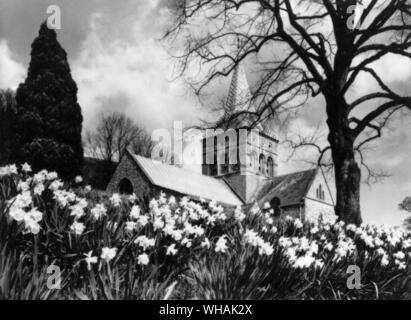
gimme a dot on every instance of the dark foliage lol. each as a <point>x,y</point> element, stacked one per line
<point>7,113</point>
<point>49,120</point>
<point>95,172</point>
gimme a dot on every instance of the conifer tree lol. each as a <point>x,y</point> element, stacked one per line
<point>7,110</point>
<point>49,121</point>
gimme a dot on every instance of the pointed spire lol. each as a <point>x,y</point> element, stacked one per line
<point>239,99</point>
<point>239,94</point>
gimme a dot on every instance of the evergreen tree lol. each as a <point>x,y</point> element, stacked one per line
<point>7,114</point>
<point>49,121</point>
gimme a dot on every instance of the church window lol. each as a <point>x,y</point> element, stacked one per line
<point>261,167</point>
<point>320,193</point>
<point>125,187</point>
<point>275,203</point>
<point>270,167</point>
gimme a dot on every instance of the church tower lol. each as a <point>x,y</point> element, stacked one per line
<point>245,158</point>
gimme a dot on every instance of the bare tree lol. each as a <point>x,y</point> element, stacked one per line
<point>304,48</point>
<point>405,205</point>
<point>115,133</point>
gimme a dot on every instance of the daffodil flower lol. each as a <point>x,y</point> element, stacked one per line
<point>89,259</point>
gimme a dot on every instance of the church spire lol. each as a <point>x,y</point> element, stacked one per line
<point>239,94</point>
<point>239,99</point>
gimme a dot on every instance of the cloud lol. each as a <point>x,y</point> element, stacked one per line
<point>130,73</point>
<point>11,71</point>
<point>119,64</point>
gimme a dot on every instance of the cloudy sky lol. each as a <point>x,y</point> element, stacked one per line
<point>119,64</point>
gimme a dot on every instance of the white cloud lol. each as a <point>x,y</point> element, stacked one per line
<point>11,71</point>
<point>133,76</point>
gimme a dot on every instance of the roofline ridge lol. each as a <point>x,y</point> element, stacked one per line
<point>134,156</point>
<point>293,173</point>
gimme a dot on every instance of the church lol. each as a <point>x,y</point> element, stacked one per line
<point>251,179</point>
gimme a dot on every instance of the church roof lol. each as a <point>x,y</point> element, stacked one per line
<point>187,182</point>
<point>290,188</point>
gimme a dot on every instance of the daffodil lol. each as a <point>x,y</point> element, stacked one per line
<point>77,228</point>
<point>78,179</point>
<point>171,250</point>
<point>143,259</point>
<point>89,259</point>
<point>26,168</point>
<point>98,211</point>
<point>108,254</point>
<point>221,244</point>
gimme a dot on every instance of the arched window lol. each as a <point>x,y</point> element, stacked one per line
<point>261,166</point>
<point>125,186</point>
<point>270,167</point>
<point>275,204</point>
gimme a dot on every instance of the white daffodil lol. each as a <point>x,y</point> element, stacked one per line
<point>26,167</point>
<point>115,200</point>
<point>51,176</point>
<point>239,214</point>
<point>77,211</point>
<point>23,186</point>
<point>143,259</point>
<point>56,185</point>
<point>142,220</point>
<point>206,243</point>
<point>38,189</point>
<point>89,259</point>
<point>221,244</point>
<point>130,226</point>
<point>171,250</point>
<point>77,228</point>
<point>17,214</point>
<point>108,254</point>
<point>98,211</point>
<point>399,255</point>
<point>145,242</point>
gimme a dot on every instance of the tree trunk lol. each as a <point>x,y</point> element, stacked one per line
<point>347,179</point>
<point>347,172</point>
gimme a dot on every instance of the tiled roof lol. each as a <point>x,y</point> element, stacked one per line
<point>187,182</point>
<point>290,189</point>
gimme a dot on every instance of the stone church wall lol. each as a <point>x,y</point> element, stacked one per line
<point>314,209</point>
<point>293,211</point>
<point>128,169</point>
